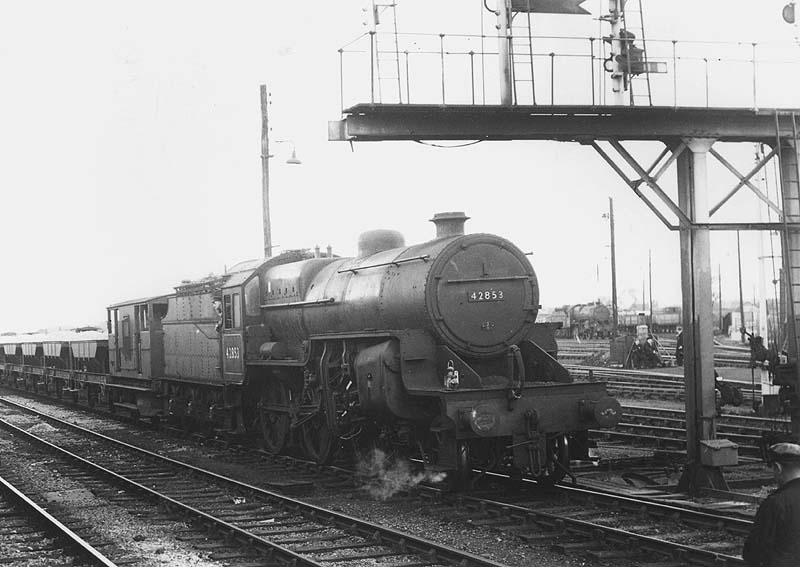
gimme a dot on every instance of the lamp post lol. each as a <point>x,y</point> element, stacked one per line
<point>265,156</point>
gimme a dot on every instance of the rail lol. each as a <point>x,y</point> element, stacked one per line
<point>83,549</point>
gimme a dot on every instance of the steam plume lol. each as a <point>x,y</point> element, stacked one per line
<point>384,476</point>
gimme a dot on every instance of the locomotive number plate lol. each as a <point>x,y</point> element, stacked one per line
<point>485,295</point>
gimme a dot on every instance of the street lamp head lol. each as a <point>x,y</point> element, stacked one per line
<point>293,160</point>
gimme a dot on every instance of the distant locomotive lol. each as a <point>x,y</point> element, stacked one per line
<point>590,321</point>
<point>429,350</point>
<point>583,321</point>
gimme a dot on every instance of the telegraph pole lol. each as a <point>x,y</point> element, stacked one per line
<point>650,276</point>
<point>644,298</point>
<point>265,171</point>
<point>614,313</point>
<point>741,295</point>
<point>719,283</point>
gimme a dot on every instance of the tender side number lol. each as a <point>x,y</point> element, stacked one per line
<point>232,352</point>
<point>486,295</point>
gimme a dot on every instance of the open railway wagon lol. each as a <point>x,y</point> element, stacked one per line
<point>662,320</point>
<point>71,364</point>
<point>428,351</point>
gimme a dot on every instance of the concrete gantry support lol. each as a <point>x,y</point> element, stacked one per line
<point>698,316</point>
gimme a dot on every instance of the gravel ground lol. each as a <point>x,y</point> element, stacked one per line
<point>406,515</point>
<point>153,545</point>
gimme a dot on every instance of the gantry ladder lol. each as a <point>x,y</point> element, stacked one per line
<point>522,57</point>
<point>387,59</point>
<point>633,23</point>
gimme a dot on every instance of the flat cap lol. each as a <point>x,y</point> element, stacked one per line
<point>785,452</point>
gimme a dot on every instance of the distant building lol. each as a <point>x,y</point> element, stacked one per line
<point>732,321</point>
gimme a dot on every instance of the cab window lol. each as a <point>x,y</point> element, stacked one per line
<point>143,317</point>
<point>237,310</point>
<point>227,312</point>
<point>126,335</point>
<point>232,311</point>
<point>252,305</point>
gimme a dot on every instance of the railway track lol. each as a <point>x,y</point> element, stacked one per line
<point>261,522</point>
<point>665,429</point>
<point>31,535</point>
<point>648,384</point>
<point>653,527</point>
<point>592,523</point>
<point>574,352</point>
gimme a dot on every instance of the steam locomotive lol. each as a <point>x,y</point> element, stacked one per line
<point>428,351</point>
<point>590,321</point>
<point>584,321</point>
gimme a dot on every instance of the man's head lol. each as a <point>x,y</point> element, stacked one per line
<point>785,458</point>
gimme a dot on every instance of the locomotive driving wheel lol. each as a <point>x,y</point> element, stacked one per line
<point>275,419</point>
<point>319,434</point>
<point>318,440</point>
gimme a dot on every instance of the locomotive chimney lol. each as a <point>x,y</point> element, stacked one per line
<point>449,224</point>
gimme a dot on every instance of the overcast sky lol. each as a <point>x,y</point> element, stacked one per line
<point>130,142</point>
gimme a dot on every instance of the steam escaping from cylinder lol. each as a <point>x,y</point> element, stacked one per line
<point>384,476</point>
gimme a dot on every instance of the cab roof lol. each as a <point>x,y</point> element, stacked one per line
<point>154,298</point>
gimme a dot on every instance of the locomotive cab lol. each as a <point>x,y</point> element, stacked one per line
<point>136,354</point>
<point>230,307</point>
<point>134,332</point>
